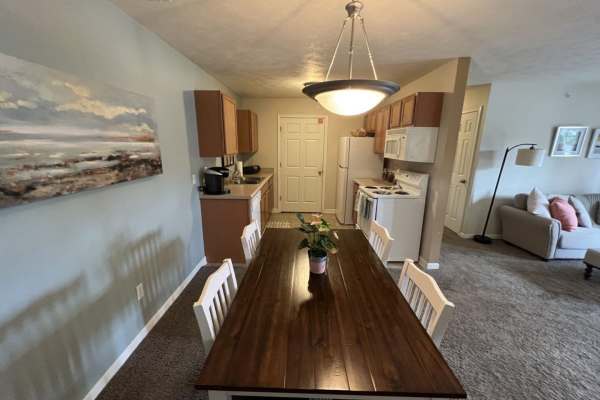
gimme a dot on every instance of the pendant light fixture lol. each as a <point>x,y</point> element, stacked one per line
<point>350,96</point>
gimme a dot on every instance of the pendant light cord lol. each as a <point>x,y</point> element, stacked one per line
<point>362,23</point>
<point>337,46</point>
<point>352,17</point>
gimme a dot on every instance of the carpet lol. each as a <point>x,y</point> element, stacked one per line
<point>523,329</point>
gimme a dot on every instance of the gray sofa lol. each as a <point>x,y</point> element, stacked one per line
<point>544,236</point>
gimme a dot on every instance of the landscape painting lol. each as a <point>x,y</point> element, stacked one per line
<point>61,135</point>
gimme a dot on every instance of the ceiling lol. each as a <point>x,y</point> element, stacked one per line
<point>270,48</point>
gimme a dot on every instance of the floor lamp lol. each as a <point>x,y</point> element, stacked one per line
<point>530,157</point>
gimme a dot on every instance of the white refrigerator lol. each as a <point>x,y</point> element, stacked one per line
<point>356,159</point>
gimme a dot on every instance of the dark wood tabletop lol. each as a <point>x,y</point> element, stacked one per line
<point>347,332</point>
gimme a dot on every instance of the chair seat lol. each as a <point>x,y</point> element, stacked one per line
<point>592,257</point>
<point>580,238</point>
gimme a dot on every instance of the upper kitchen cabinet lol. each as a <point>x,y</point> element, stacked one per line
<point>247,130</point>
<point>216,119</point>
<point>395,114</point>
<point>423,109</point>
<point>382,120</point>
<point>370,121</point>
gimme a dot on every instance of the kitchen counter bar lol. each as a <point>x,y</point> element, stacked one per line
<point>243,191</point>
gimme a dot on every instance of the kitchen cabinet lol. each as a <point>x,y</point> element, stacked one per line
<point>370,121</point>
<point>266,204</point>
<point>216,121</point>
<point>354,194</point>
<point>395,114</point>
<point>423,109</point>
<point>247,130</point>
<point>381,125</point>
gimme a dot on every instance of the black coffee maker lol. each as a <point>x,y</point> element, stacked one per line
<point>214,180</point>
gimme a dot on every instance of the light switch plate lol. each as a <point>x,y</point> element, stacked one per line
<point>140,291</point>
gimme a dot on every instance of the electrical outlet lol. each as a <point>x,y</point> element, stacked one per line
<point>140,291</point>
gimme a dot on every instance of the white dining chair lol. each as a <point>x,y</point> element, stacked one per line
<point>250,240</point>
<point>426,300</point>
<point>214,302</point>
<point>380,240</point>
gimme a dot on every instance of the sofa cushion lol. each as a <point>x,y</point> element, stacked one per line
<point>580,238</point>
<point>520,201</point>
<point>583,216</point>
<point>561,210</point>
<point>538,204</point>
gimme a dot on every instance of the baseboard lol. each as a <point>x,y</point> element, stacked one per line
<point>428,265</point>
<point>329,211</point>
<point>472,235</point>
<point>118,363</point>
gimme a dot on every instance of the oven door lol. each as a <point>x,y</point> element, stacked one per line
<point>366,213</point>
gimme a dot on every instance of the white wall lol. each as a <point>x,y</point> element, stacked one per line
<point>529,111</point>
<point>69,265</point>
<point>269,108</point>
<point>450,78</point>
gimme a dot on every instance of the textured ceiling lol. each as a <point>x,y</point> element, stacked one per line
<point>269,48</point>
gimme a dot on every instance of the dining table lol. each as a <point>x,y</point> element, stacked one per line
<point>345,334</point>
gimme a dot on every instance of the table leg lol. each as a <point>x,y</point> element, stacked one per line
<point>588,271</point>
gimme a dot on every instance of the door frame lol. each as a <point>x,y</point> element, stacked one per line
<point>324,160</point>
<point>472,169</point>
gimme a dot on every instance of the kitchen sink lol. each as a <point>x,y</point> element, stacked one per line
<point>255,180</point>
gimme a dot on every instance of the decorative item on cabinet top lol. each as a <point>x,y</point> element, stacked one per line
<point>60,134</point>
<point>216,121</point>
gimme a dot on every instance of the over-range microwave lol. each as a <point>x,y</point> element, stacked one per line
<point>411,144</point>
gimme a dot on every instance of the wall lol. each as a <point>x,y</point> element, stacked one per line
<point>269,108</point>
<point>450,78</point>
<point>529,111</point>
<point>69,265</point>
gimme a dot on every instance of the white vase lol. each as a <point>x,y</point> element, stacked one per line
<point>318,265</point>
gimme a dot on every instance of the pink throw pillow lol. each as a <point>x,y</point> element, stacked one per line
<point>561,210</point>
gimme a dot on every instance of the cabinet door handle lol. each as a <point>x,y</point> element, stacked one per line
<point>463,181</point>
<point>320,173</point>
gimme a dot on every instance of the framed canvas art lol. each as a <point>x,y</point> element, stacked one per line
<point>568,141</point>
<point>60,134</point>
<point>594,151</point>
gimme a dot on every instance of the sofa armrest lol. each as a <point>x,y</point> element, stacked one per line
<point>538,235</point>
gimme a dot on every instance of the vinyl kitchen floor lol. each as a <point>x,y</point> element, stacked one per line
<point>289,220</point>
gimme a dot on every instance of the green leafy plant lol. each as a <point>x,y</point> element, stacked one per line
<point>319,237</point>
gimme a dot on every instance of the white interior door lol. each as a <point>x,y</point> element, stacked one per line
<point>301,141</point>
<point>461,173</point>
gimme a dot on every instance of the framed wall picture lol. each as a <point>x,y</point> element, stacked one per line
<point>568,141</point>
<point>594,151</point>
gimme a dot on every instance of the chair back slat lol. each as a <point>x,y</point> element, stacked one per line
<point>380,241</point>
<point>426,300</point>
<point>215,301</point>
<point>250,240</point>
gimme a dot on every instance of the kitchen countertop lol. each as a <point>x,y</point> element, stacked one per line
<point>243,191</point>
<point>371,182</point>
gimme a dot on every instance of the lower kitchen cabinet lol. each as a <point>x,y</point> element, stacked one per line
<point>224,218</point>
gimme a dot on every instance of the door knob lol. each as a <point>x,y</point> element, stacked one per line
<point>320,173</point>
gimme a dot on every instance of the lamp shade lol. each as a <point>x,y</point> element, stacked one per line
<point>531,157</point>
<point>350,96</point>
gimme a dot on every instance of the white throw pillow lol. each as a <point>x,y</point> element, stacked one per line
<point>538,204</point>
<point>583,216</point>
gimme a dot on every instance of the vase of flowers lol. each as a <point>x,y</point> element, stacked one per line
<point>319,241</point>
